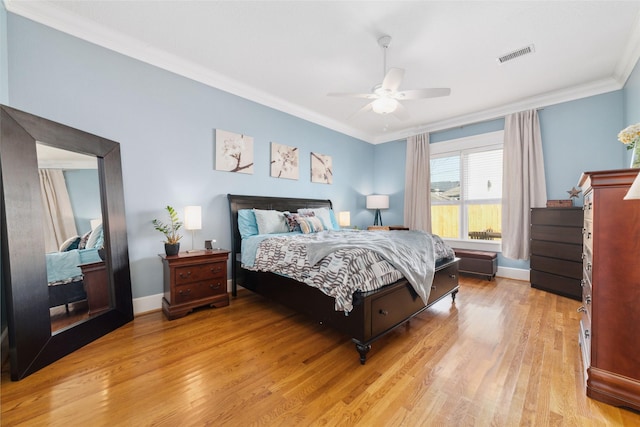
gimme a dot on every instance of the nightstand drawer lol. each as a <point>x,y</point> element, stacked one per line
<point>199,290</point>
<point>195,273</point>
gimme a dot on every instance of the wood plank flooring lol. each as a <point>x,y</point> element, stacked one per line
<point>503,355</point>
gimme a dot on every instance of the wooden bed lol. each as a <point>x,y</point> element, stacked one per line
<point>374,313</point>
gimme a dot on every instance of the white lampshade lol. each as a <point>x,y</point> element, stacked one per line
<point>344,219</point>
<point>634,190</point>
<point>377,201</point>
<point>193,217</point>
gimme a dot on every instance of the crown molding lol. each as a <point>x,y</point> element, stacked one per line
<point>538,101</point>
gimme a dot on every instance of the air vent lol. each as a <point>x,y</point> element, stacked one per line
<point>516,54</point>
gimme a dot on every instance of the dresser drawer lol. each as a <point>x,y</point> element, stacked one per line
<point>560,285</point>
<point>560,267</point>
<point>556,234</point>
<point>568,217</point>
<point>195,273</point>
<point>566,251</point>
<point>199,290</point>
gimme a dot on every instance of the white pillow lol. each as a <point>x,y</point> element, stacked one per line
<point>270,222</point>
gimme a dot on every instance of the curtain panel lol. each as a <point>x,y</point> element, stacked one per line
<point>59,222</point>
<point>524,185</point>
<point>417,201</point>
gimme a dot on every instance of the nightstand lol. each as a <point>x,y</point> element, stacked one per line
<point>96,286</point>
<point>194,279</point>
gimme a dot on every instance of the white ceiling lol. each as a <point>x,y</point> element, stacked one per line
<point>290,54</point>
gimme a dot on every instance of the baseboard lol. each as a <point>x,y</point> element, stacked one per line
<point>154,302</point>
<point>513,273</point>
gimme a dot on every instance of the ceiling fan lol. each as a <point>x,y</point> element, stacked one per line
<point>386,97</point>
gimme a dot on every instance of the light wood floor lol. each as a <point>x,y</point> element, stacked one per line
<point>503,355</point>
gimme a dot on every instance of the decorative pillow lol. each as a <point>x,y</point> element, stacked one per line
<point>70,244</point>
<point>310,224</point>
<point>270,222</point>
<point>83,240</point>
<point>96,238</point>
<point>326,215</point>
<point>292,219</point>
<point>247,225</point>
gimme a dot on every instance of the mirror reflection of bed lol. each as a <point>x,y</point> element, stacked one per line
<point>73,234</point>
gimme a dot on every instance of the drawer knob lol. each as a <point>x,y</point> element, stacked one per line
<point>582,309</point>
<point>383,312</point>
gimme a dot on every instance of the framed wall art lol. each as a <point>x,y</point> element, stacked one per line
<point>284,161</point>
<point>234,152</point>
<point>321,168</point>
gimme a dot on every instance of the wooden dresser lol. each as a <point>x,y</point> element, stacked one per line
<point>194,279</point>
<point>556,250</point>
<point>610,321</point>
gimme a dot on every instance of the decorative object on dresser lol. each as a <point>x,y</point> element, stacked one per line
<point>482,263</point>
<point>377,202</point>
<point>556,249</point>
<point>194,279</point>
<point>562,203</point>
<point>611,291</point>
<point>170,231</point>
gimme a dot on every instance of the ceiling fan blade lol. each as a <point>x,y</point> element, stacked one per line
<point>401,112</point>
<point>433,92</point>
<point>393,79</point>
<point>364,109</point>
<point>353,95</point>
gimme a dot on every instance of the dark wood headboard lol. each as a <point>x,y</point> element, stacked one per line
<point>237,202</point>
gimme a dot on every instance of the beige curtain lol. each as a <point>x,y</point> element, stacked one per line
<point>417,203</point>
<point>59,223</point>
<point>524,185</point>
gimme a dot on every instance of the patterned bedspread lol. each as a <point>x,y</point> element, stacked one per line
<point>339,263</point>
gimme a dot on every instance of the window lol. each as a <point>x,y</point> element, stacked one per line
<point>466,188</point>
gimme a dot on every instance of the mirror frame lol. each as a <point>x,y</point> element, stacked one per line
<point>32,345</point>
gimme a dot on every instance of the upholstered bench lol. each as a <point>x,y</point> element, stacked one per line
<point>477,262</point>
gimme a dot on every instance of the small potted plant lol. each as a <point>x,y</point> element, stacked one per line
<point>170,231</point>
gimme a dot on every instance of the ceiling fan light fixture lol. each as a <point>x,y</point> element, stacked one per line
<point>384,105</point>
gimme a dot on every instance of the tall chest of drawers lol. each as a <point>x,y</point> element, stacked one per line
<point>610,320</point>
<point>556,249</point>
<point>194,279</point>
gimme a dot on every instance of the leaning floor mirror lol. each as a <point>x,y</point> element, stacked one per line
<point>65,262</point>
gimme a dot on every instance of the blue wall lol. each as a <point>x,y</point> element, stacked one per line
<point>165,125</point>
<point>84,192</point>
